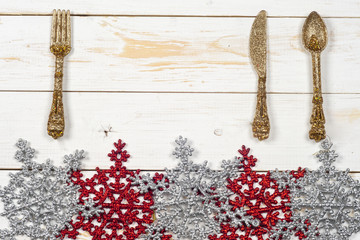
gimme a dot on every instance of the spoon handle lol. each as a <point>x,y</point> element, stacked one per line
<point>317,120</point>
<point>261,124</point>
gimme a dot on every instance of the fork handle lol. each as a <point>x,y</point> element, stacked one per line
<point>317,120</point>
<point>261,124</point>
<point>56,122</point>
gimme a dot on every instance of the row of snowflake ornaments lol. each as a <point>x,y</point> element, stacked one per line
<point>190,201</point>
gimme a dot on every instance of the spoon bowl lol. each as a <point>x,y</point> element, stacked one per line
<point>314,34</point>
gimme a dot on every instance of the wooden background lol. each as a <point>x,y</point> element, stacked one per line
<point>149,71</point>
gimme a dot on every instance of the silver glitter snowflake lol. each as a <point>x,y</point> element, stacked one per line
<point>325,203</point>
<point>40,200</point>
<point>191,200</point>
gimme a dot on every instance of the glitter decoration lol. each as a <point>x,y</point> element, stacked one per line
<point>258,50</point>
<point>314,36</point>
<point>40,200</point>
<point>191,200</point>
<point>126,212</point>
<point>325,202</point>
<point>60,46</point>
<point>262,198</point>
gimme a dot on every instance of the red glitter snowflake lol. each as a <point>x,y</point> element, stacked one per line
<point>126,212</point>
<point>261,197</point>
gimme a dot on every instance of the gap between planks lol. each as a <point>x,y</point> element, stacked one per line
<point>165,16</point>
<point>175,92</point>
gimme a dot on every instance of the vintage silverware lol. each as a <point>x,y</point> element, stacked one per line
<point>60,46</point>
<point>314,36</point>
<point>258,48</point>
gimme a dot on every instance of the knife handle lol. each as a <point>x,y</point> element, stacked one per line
<point>317,120</point>
<point>261,123</point>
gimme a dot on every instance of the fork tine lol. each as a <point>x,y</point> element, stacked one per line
<point>63,27</point>
<point>58,26</point>
<point>68,29</point>
<point>53,29</point>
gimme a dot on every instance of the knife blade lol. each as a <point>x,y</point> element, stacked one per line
<point>258,49</point>
<point>258,44</point>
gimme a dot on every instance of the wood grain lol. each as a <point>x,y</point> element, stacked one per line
<point>344,8</point>
<point>155,54</point>
<point>216,124</point>
<point>148,71</point>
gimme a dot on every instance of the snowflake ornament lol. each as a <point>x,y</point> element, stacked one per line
<point>325,202</point>
<point>124,211</point>
<point>191,200</point>
<point>40,200</point>
<point>260,196</point>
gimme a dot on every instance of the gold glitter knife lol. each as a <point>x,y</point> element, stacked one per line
<point>315,40</point>
<point>60,46</point>
<point>261,124</point>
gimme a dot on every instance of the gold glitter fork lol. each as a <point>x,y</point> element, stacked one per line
<point>60,46</point>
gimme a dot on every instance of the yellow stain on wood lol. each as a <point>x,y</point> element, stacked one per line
<point>151,49</point>
<point>138,47</point>
<point>151,34</point>
<point>350,115</point>
<point>105,23</point>
<point>172,68</point>
<point>9,59</point>
<point>97,50</point>
<point>161,66</point>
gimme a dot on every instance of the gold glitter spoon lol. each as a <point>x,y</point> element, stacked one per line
<point>314,36</point>
<point>258,48</point>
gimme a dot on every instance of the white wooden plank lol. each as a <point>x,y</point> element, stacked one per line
<point>186,7</point>
<point>4,179</point>
<point>174,54</point>
<point>217,124</point>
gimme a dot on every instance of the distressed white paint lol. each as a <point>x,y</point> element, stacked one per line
<point>164,72</point>
<point>150,122</point>
<point>347,8</point>
<point>174,54</point>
